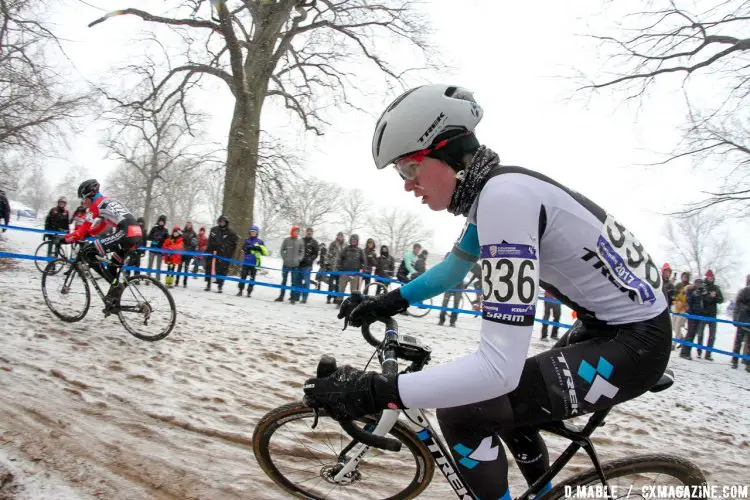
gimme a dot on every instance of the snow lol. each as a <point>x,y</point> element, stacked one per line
<point>87,410</point>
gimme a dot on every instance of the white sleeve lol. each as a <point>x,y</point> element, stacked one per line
<point>508,225</point>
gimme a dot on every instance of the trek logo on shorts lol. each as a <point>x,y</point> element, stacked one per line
<point>598,378</point>
<point>487,451</point>
<point>510,276</point>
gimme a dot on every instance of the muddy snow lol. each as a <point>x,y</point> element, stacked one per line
<point>86,410</point>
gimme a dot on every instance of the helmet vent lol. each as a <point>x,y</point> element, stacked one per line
<point>450,91</point>
<point>398,100</point>
<point>380,138</point>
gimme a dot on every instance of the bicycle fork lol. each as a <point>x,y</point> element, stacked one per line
<point>421,426</point>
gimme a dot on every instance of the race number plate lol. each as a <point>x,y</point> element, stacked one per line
<point>628,262</point>
<point>510,277</point>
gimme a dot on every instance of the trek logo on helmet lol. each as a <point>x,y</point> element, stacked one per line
<point>429,134</point>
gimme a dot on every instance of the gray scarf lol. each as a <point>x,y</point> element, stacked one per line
<point>472,181</point>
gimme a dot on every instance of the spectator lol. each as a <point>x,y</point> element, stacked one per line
<point>695,295</point>
<point>551,307</point>
<point>305,265</point>
<point>351,259</point>
<point>156,238</point>
<point>202,246</point>
<point>79,217</point>
<point>385,266</point>
<point>58,219</point>
<point>222,242</point>
<point>406,269</point>
<point>4,209</point>
<point>742,315</point>
<point>371,258</point>
<point>292,252</point>
<point>334,250</point>
<point>322,265</point>
<point>253,248</point>
<point>456,296</point>
<point>679,305</point>
<point>420,265</point>
<point>667,283</point>
<point>190,243</point>
<point>712,298</point>
<point>174,242</point>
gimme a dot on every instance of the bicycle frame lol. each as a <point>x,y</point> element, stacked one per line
<point>418,422</point>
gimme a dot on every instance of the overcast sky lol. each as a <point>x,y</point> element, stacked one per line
<point>516,57</point>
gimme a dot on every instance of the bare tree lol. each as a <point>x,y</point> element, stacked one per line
<point>152,138</point>
<point>182,192</point>
<point>126,185</point>
<point>11,170</point>
<point>399,229</point>
<point>708,48</point>
<point>301,53</point>
<point>310,202</point>
<point>269,218</point>
<point>699,242</point>
<point>34,98</point>
<point>35,189</point>
<point>68,185</point>
<point>353,210</point>
<point>213,190</point>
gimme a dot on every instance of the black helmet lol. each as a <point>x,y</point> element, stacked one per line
<point>162,217</point>
<point>223,218</point>
<point>88,188</point>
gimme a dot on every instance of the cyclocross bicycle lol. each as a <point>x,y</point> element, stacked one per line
<point>415,310</point>
<point>306,453</point>
<point>148,313</point>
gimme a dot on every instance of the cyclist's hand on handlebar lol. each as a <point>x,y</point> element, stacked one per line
<point>349,393</point>
<point>360,310</point>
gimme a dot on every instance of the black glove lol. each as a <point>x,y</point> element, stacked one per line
<point>349,393</point>
<point>360,310</point>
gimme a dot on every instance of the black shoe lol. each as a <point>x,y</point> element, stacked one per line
<point>734,365</point>
<point>248,293</point>
<point>708,358</point>
<point>453,325</point>
<point>688,357</point>
<point>184,284</point>
<point>207,289</point>
<point>304,301</point>
<point>700,354</point>
<point>441,322</point>
<point>239,294</point>
<point>328,300</point>
<point>219,290</point>
<point>554,337</point>
<point>279,299</point>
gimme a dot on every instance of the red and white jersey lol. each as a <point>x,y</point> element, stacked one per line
<point>103,213</point>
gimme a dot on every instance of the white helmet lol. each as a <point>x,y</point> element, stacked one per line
<point>418,116</point>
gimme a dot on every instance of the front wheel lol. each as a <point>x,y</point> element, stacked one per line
<point>645,476</point>
<point>66,290</point>
<point>147,312</point>
<point>304,461</point>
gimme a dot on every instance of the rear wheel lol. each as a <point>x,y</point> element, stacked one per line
<point>304,461</point>
<point>646,476</point>
<point>147,312</point>
<point>66,290</point>
<point>375,288</point>
<point>419,312</point>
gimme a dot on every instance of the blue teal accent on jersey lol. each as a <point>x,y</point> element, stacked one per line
<point>424,434</point>
<point>470,241</point>
<point>506,496</point>
<point>586,371</point>
<point>436,280</point>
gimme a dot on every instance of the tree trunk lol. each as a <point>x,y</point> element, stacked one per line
<point>147,204</point>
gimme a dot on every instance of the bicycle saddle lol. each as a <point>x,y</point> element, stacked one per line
<point>666,380</point>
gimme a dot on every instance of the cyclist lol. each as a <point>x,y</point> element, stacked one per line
<point>527,230</point>
<point>103,213</point>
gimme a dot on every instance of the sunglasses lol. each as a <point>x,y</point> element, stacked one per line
<point>408,166</point>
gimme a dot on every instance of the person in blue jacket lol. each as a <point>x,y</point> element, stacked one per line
<point>253,248</point>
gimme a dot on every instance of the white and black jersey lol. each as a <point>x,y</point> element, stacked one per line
<point>529,231</point>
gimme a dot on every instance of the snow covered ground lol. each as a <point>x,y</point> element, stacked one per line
<point>87,410</point>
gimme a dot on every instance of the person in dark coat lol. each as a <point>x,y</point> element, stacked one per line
<point>156,238</point>
<point>712,298</point>
<point>222,242</point>
<point>668,284</point>
<point>322,264</point>
<point>305,265</point>
<point>58,220</point>
<point>351,259</point>
<point>190,244</point>
<point>334,250</point>
<point>385,266</point>
<point>742,315</point>
<point>695,294</point>
<point>551,306</point>
<point>4,209</point>
<point>371,257</point>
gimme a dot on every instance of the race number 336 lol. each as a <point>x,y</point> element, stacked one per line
<point>628,261</point>
<point>510,275</point>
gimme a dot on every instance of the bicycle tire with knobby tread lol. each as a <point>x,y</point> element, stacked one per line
<point>170,299</point>
<point>677,467</point>
<point>268,425</point>
<point>67,319</point>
